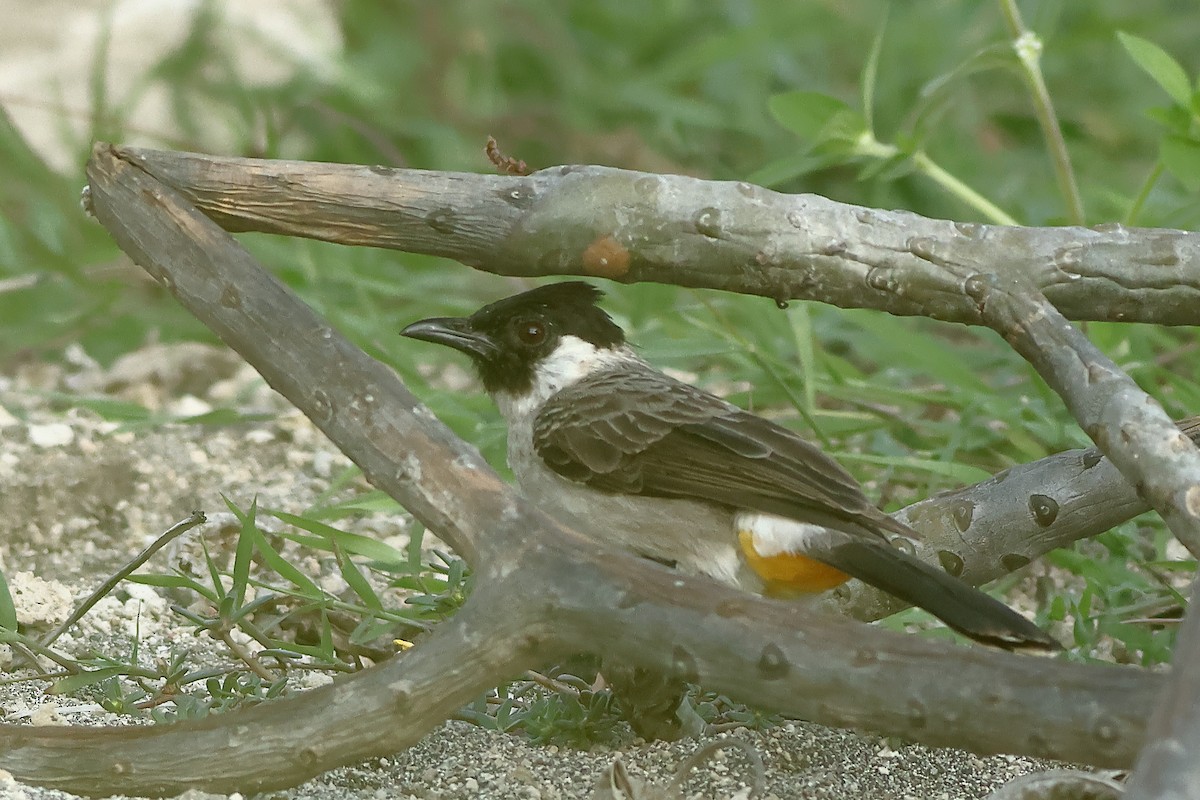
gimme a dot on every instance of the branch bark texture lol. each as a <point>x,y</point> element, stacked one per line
<point>1127,424</point>
<point>988,530</point>
<point>635,226</point>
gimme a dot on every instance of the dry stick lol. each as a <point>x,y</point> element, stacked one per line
<point>636,226</point>
<point>275,745</point>
<point>1167,768</point>
<point>589,596</point>
<point>176,530</point>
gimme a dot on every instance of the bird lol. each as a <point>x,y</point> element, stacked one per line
<point>604,442</point>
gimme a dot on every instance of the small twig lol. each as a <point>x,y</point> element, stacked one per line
<point>197,518</point>
<point>1028,48</point>
<point>757,773</point>
<point>545,682</point>
<point>245,655</point>
<point>506,164</point>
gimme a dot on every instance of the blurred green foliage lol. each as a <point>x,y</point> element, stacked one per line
<point>685,86</point>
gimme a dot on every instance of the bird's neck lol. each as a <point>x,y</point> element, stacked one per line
<point>570,362</point>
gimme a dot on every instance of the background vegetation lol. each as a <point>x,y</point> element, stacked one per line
<point>777,93</point>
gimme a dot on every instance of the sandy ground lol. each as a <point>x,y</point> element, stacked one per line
<point>80,496</point>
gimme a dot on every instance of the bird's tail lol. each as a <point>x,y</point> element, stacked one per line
<point>961,606</point>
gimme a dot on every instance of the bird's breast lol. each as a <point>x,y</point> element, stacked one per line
<point>697,537</point>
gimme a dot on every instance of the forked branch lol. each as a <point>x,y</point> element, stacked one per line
<point>585,596</point>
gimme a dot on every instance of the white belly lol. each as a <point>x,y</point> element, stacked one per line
<point>696,537</point>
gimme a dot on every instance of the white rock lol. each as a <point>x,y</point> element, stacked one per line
<point>259,436</point>
<point>52,434</point>
<point>39,602</point>
<point>47,715</point>
<point>189,406</point>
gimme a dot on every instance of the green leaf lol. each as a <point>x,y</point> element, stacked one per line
<point>173,582</point>
<point>1181,156</point>
<point>271,557</point>
<point>225,416</point>
<point>816,117</point>
<point>8,612</point>
<point>791,166</point>
<point>247,538</point>
<point>109,408</point>
<point>870,72</point>
<point>356,580</point>
<point>1159,65</point>
<point>1173,118</point>
<point>368,502</point>
<point>73,683</point>
<point>354,543</point>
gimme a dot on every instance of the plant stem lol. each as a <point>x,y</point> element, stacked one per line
<point>961,190</point>
<point>1028,48</point>
<point>868,145</point>
<point>1139,201</point>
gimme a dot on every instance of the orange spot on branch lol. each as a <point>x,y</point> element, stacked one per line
<point>606,258</point>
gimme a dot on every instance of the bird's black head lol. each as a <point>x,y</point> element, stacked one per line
<point>508,338</point>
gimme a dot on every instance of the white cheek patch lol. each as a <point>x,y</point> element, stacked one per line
<point>776,536</point>
<point>572,360</point>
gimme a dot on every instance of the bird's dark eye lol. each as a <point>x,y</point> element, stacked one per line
<point>531,332</point>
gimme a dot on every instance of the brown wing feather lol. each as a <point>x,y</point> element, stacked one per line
<point>643,432</point>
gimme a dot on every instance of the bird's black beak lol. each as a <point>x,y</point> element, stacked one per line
<point>453,332</point>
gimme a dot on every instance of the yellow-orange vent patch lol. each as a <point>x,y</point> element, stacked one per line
<point>789,572</point>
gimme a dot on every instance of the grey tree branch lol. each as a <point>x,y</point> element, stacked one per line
<point>275,745</point>
<point>588,596</point>
<point>1128,425</point>
<point>984,531</point>
<point>635,226</point>
<point>1167,768</point>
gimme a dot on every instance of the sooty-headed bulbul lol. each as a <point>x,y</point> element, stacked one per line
<point>601,440</point>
